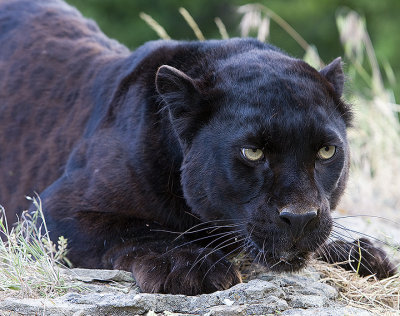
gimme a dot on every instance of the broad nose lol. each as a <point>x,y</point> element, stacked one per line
<point>297,222</point>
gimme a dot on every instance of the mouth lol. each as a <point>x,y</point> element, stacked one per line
<point>286,261</point>
<point>292,263</point>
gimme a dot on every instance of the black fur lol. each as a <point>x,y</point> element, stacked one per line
<point>128,148</point>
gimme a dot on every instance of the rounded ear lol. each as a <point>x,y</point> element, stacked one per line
<point>174,85</point>
<point>184,101</point>
<point>334,74</point>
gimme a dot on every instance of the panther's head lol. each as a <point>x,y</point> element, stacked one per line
<point>264,148</point>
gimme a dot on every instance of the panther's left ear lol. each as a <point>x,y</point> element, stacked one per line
<point>334,74</point>
<point>183,97</point>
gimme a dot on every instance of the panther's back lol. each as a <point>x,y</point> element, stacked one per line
<point>49,57</point>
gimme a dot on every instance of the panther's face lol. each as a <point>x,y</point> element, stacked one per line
<point>265,150</point>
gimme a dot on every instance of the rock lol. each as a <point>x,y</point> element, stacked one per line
<point>330,311</point>
<point>115,293</point>
<point>41,307</point>
<point>90,275</point>
<point>96,280</point>
<point>270,305</point>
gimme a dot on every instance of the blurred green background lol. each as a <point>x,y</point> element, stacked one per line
<point>315,20</point>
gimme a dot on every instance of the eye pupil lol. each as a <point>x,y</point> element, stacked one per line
<point>252,154</point>
<point>326,152</point>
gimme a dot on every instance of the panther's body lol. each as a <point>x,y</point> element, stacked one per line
<point>124,147</point>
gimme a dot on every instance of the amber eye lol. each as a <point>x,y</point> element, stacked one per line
<point>252,154</point>
<point>326,152</point>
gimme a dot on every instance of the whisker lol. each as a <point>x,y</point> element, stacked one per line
<point>201,238</point>
<point>194,231</point>
<point>216,248</point>
<point>263,249</point>
<point>223,257</point>
<point>369,216</point>
<point>342,227</point>
<point>275,264</point>
<point>343,252</point>
<point>213,241</point>
<point>340,238</point>
<point>257,257</point>
<point>190,230</point>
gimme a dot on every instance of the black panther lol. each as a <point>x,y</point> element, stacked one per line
<point>166,160</point>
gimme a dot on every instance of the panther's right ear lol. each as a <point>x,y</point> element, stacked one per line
<point>174,85</point>
<point>183,98</point>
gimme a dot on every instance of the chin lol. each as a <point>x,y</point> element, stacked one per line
<point>286,261</point>
<point>292,264</point>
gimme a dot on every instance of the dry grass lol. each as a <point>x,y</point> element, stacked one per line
<point>28,263</point>
<point>161,32</point>
<point>29,260</point>
<point>378,296</point>
<point>375,140</point>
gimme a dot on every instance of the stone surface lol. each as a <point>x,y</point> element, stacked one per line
<point>330,311</point>
<point>90,275</point>
<point>115,293</point>
<point>106,292</point>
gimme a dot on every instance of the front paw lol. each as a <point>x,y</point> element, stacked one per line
<point>361,256</point>
<point>184,271</point>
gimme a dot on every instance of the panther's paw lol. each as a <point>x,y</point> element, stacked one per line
<point>184,271</point>
<point>361,256</point>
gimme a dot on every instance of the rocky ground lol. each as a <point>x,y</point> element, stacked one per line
<point>103,292</point>
<point>115,293</point>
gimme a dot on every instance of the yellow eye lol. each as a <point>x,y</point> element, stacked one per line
<point>326,152</point>
<point>252,154</point>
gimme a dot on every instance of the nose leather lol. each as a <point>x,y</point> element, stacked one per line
<point>297,222</point>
